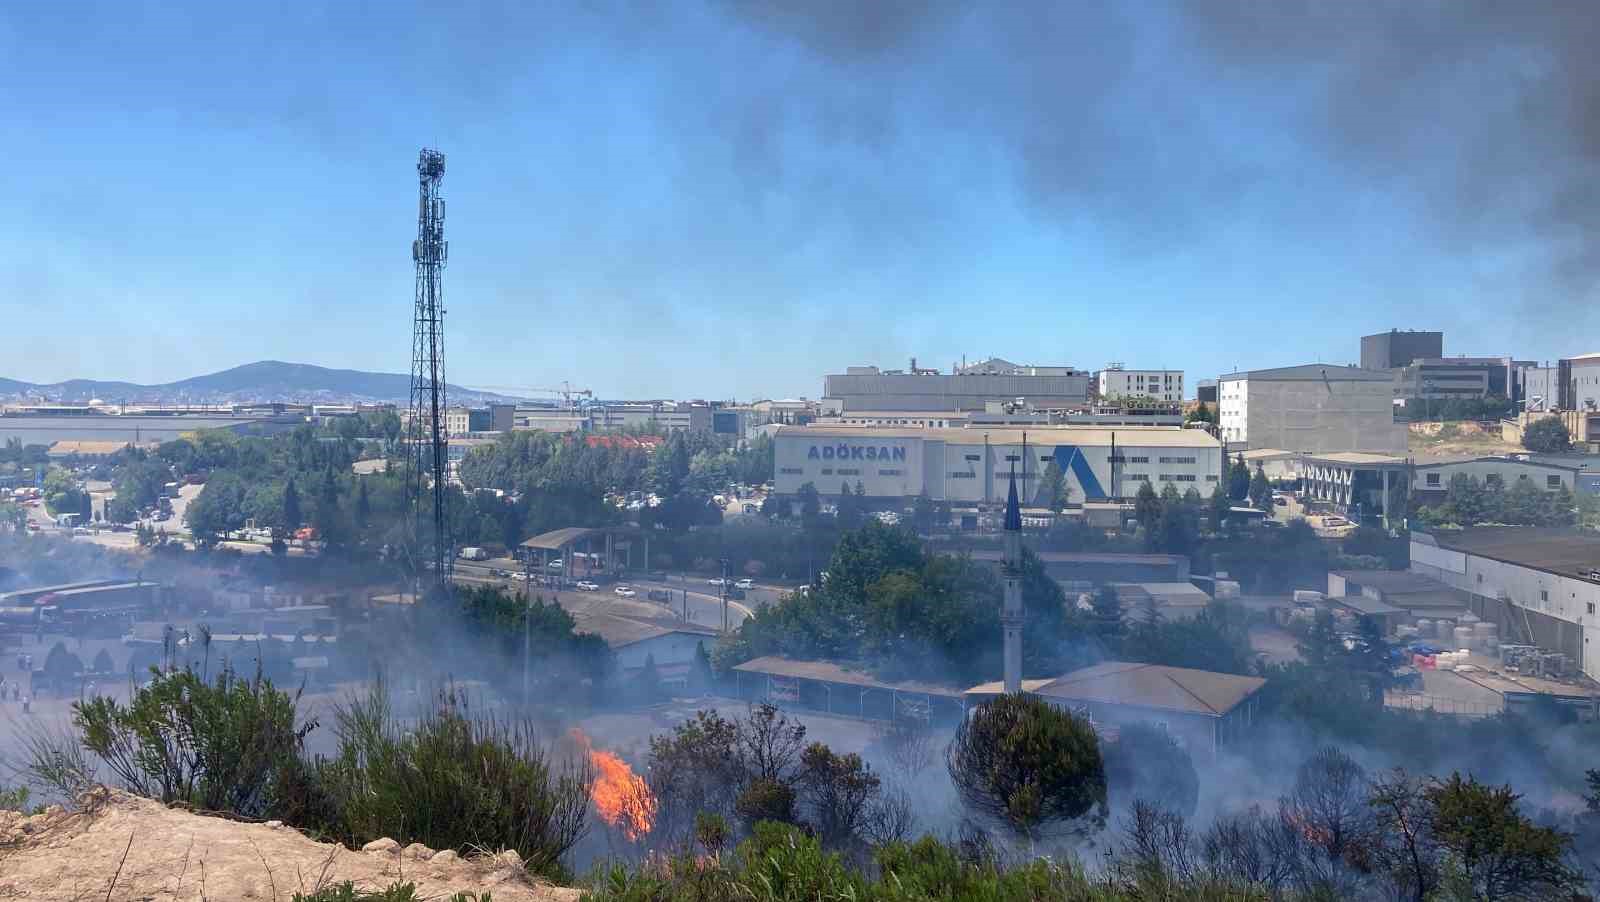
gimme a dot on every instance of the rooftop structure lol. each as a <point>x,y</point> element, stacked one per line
<point>969,388</point>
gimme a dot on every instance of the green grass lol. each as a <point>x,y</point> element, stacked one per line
<point>399,892</point>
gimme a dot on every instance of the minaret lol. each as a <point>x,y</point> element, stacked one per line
<point>1011,611</point>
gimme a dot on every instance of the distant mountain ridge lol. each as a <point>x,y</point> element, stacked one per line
<point>264,380</point>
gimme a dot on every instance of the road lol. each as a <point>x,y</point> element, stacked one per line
<point>703,604</point>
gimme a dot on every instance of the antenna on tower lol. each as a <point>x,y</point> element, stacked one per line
<point>427,448</point>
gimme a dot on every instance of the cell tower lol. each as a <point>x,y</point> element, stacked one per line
<point>426,435</point>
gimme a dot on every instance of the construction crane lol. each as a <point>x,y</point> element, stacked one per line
<point>566,392</point>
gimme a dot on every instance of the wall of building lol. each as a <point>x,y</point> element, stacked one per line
<point>959,465</point>
<point>1162,385</point>
<point>1311,415</point>
<point>1562,609</point>
<point>670,649</point>
<point>1387,350</point>
<point>904,391</point>
<point>1436,477</point>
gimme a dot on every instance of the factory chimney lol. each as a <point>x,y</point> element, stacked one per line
<point>1011,611</point>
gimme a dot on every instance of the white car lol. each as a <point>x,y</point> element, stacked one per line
<point>554,565</point>
<point>746,584</point>
<point>625,592</point>
<point>587,586</point>
<point>716,581</point>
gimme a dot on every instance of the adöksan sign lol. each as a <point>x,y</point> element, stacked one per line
<point>842,451</point>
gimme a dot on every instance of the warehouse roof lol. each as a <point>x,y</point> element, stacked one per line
<point>1044,436</point>
<point>557,539</point>
<point>1431,464</point>
<point>1357,459</point>
<point>1392,581</point>
<point>620,631</point>
<point>829,672</point>
<point>1361,604</point>
<point>1085,557</point>
<point>1155,686</point>
<point>1565,552</point>
<point>1312,372</point>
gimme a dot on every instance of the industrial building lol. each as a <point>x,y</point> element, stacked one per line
<point>972,465</point>
<point>1578,383</point>
<point>1202,709</point>
<point>966,388</point>
<point>1541,587</point>
<point>1393,349</point>
<point>1316,408</point>
<point>1431,480</point>
<point>1454,378</point>
<point>1114,382</point>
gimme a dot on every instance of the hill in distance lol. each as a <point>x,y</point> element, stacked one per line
<point>265,380</point>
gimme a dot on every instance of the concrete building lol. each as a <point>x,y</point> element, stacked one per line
<point>1451,378</point>
<point>1578,382</point>
<point>551,419</point>
<point>1431,480</point>
<point>1392,349</point>
<point>670,416</point>
<point>1540,586</point>
<point>1317,408</point>
<point>1116,383</point>
<point>1204,710</point>
<point>1205,391</point>
<point>968,388</point>
<point>972,465</point>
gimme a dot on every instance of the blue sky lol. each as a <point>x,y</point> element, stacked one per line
<point>729,199</point>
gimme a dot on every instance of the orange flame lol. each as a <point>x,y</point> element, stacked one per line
<point>621,796</point>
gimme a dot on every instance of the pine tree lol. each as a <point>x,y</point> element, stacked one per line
<point>291,506</point>
<point>1260,491</point>
<point>363,505</point>
<point>1238,479</point>
<point>1147,507</point>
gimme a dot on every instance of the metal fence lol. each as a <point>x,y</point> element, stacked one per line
<point>1441,704</point>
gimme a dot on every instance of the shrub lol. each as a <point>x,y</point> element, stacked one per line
<point>1147,763</point>
<point>399,892</point>
<point>451,782</point>
<point>1024,763</point>
<point>1547,435</point>
<point>220,746</point>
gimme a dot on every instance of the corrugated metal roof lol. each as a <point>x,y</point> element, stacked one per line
<point>1155,686</point>
<point>829,672</point>
<point>557,539</point>
<point>1042,435</point>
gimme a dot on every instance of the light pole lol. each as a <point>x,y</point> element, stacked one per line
<point>723,591</point>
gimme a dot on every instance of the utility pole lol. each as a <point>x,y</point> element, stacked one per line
<point>724,592</point>
<point>527,624</point>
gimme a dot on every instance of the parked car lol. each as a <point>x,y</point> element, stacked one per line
<point>625,592</point>
<point>746,583</point>
<point>554,565</point>
<point>586,586</point>
<point>716,581</point>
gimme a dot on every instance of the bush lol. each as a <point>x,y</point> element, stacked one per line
<point>1147,763</point>
<point>451,783</point>
<point>219,746</point>
<point>1547,435</point>
<point>399,892</point>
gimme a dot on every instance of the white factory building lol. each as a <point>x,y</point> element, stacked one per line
<point>972,465</point>
<point>1117,383</point>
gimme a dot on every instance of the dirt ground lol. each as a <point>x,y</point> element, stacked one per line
<point>1449,439</point>
<point>122,848</point>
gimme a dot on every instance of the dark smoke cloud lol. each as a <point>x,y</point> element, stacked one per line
<point>1489,112</point>
<point>1161,122</point>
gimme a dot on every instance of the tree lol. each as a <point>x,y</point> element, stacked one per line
<point>1147,507</point>
<point>1238,479</point>
<point>810,505</point>
<point>837,793</point>
<point>1146,762</point>
<point>1406,853</point>
<point>1221,509</point>
<point>1547,435</point>
<point>1200,413</point>
<point>849,514</point>
<point>1498,852</point>
<point>1328,807</point>
<point>363,505</point>
<point>291,507</point>
<point>1024,764</point>
<point>1053,491</point>
<point>1260,491</point>
<point>103,662</point>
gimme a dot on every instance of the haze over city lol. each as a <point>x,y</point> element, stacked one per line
<point>725,199</point>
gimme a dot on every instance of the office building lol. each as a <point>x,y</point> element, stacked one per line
<point>1114,383</point>
<point>1315,407</point>
<point>1393,349</point>
<point>967,388</point>
<point>1454,378</point>
<point>973,465</point>
<point>1578,382</point>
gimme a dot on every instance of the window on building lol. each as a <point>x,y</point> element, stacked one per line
<point>1493,479</point>
<point>974,457</point>
<point>1136,477</point>
<point>1433,479</point>
<point>1552,482</point>
<point>955,474</point>
<point>1212,477</point>
<point>891,472</point>
<point>1591,607</point>
<point>1177,460</point>
<point>827,471</point>
<point>1544,595</point>
<point>791,471</point>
